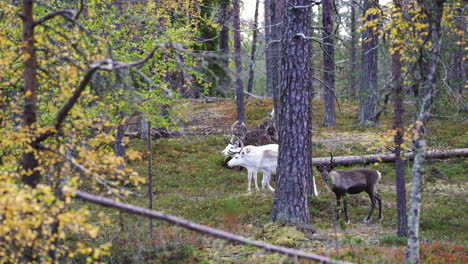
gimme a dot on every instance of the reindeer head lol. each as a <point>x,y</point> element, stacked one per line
<point>325,170</point>
<point>234,146</point>
<point>235,143</point>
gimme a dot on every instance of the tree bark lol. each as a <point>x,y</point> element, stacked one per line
<point>353,88</point>
<point>328,64</point>
<point>119,146</point>
<point>268,58</point>
<point>277,24</point>
<point>254,49</point>
<point>295,147</point>
<point>30,163</point>
<point>402,222</point>
<point>224,19</point>
<point>368,96</point>
<point>434,11</point>
<point>238,62</point>
<point>459,69</point>
<point>150,179</point>
<point>389,157</point>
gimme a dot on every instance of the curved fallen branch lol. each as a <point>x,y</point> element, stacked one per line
<point>389,157</point>
<point>199,228</point>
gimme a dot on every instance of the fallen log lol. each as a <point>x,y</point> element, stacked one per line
<point>389,157</point>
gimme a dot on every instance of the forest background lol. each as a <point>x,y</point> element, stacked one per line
<point>86,85</point>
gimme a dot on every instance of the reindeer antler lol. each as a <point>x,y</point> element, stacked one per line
<point>232,132</point>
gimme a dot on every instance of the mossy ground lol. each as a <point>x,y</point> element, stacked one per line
<point>190,182</point>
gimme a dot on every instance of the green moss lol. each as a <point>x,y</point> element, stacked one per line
<point>287,236</point>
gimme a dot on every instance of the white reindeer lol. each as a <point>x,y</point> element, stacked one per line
<point>257,159</point>
<point>235,146</point>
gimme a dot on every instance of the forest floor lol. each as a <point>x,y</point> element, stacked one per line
<point>191,182</point>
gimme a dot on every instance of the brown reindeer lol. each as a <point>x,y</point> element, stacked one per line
<point>343,182</point>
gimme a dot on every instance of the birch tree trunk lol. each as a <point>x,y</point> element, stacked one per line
<point>434,10</point>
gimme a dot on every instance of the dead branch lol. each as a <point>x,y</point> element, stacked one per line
<point>389,157</point>
<point>199,228</point>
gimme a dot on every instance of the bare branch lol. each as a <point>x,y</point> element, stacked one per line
<point>64,12</point>
<point>105,64</point>
<point>329,88</point>
<point>307,6</point>
<point>199,228</point>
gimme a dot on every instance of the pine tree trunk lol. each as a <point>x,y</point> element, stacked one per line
<point>353,90</point>
<point>277,24</point>
<point>268,58</point>
<point>294,162</point>
<point>402,223</point>
<point>435,11</point>
<point>328,64</point>
<point>238,62</point>
<point>254,49</point>
<point>224,19</point>
<point>459,69</point>
<point>368,97</point>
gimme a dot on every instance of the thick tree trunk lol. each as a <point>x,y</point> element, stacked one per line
<point>277,24</point>
<point>368,97</point>
<point>353,89</point>
<point>294,162</point>
<point>30,163</point>
<point>224,19</point>
<point>268,58</point>
<point>434,11</point>
<point>328,64</point>
<point>238,62</point>
<point>254,49</point>
<point>389,157</point>
<point>402,222</point>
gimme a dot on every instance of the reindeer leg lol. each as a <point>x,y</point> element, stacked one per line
<point>266,179</point>
<point>255,180</point>
<point>379,200</point>
<point>315,186</point>
<point>249,179</point>
<point>372,198</point>
<point>338,205</point>
<point>345,203</point>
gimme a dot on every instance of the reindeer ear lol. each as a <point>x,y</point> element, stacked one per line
<point>319,168</point>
